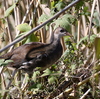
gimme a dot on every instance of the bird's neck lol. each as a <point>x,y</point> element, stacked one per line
<point>54,39</point>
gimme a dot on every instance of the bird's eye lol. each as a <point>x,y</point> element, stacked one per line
<point>62,30</point>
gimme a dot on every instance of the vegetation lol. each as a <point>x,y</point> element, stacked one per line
<point>77,74</point>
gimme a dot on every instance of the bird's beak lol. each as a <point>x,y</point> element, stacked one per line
<point>68,34</point>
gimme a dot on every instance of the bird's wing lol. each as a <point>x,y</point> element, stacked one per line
<point>23,50</point>
<point>18,55</point>
<point>38,50</point>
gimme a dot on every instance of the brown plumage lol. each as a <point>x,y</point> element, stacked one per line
<point>37,54</point>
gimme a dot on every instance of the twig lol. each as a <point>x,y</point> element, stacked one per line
<point>84,25</point>
<point>92,11</point>
<point>68,91</point>
<point>88,60</point>
<point>98,7</point>
<point>3,83</point>
<point>13,74</point>
<point>79,30</point>
<point>39,26</point>
<point>28,9</point>
<point>25,82</point>
<point>85,94</point>
<point>27,12</point>
<point>8,21</point>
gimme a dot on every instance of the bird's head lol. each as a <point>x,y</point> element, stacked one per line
<point>60,32</point>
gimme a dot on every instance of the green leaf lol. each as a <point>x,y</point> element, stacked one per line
<point>35,74</point>
<point>52,79</point>
<point>79,5</point>
<point>1,61</point>
<point>21,35</point>
<point>39,85</point>
<point>43,18</point>
<point>96,19</point>
<point>65,22</point>
<point>9,10</point>
<point>84,40</point>
<point>35,87</point>
<point>73,67</point>
<point>7,61</point>
<point>92,38</point>
<point>4,62</point>
<point>97,47</point>
<point>24,27</point>
<point>56,73</point>
<point>31,38</point>
<point>60,5</point>
<point>46,72</point>
<point>52,4</point>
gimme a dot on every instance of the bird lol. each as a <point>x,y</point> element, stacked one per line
<point>37,54</point>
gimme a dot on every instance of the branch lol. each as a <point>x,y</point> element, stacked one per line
<point>83,97</point>
<point>39,26</point>
<point>68,91</point>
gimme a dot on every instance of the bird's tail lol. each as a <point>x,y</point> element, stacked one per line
<point>5,56</point>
